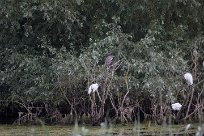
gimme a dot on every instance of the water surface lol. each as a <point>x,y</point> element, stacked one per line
<point>122,130</point>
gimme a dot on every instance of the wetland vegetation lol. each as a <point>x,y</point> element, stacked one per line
<point>138,56</point>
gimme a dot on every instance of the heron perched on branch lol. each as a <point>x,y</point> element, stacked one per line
<point>109,62</point>
<point>112,63</point>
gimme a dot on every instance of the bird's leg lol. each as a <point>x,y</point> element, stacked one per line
<point>90,99</point>
<point>94,98</point>
<point>99,96</point>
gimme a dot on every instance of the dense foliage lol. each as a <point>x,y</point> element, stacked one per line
<point>52,51</point>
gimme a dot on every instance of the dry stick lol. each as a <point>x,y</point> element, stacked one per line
<point>93,101</point>
<point>189,105</point>
<point>113,104</point>
<point>99,96</point>
<point>23,105</point>
<point>197,104</point>
<point>118,94</point>
<point>68,101</point>
<point>126,82</point>
<point>191,113</point>
<point>106,93</point>
<point>199,83</point>
<point>194,59</point>
<point>65,94</point>
<point>198,101</point>
<point>117,65</point>
<point>110,95</point>
<point>94,106</point>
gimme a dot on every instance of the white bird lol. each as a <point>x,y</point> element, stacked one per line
<point>93,88</point>
<point>187,127</point>
<point>176,106</point>
<point>189,78</point>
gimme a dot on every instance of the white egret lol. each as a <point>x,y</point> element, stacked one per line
<point>189,78</point>
<point>176,106</point>
<point>93,88</point>
<point>187,127</point>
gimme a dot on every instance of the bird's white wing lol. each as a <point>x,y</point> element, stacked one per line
<point>189,78</point>
<point>95,87</point>
<point>90,89</point>
<point>176,106</point>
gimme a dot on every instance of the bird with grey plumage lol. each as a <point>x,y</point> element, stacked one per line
<point>109,62</point>
<point>112,63</point>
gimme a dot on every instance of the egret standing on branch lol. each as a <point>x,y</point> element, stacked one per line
<point>189,78</point>
<point>176,106</point>
<point>93,88</point>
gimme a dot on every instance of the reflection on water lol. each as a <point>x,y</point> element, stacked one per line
<point>122,130</point>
